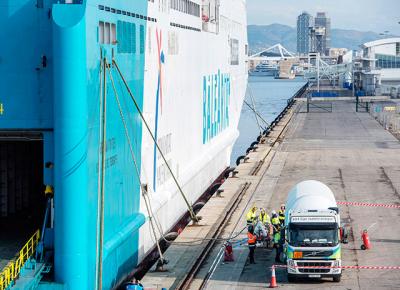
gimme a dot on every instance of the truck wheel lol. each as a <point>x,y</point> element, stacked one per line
<point>363,247</point>
<point>291,278</point>
<point>337,278</point>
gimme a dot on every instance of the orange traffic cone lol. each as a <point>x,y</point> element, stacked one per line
<point>365,238</point>
<point>272,283</point>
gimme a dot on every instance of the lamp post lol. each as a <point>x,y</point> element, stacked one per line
<point>353,80</point>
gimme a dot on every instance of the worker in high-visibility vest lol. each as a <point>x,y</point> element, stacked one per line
<point>264,217</point>
<point>251,215</point>
<point>275,220</point>
<point>251,241</point>
<point>279,240</point>
<point>281,214</point>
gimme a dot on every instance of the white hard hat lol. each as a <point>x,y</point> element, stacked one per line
<point>273,212</point>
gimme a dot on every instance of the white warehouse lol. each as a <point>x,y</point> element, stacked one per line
<point>377,69</point>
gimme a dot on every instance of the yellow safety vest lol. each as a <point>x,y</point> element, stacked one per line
<point>281,216</point>
<point>251,216</point>
<point>275,221</point>
<point>265,219</point>
<point>277,237</point>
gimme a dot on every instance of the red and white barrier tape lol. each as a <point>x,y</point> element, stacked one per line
<point>342,267</point>
<point>368,204</point>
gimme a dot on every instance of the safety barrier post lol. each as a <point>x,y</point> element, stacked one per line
<point>272,283</point>
<point>357,101</point>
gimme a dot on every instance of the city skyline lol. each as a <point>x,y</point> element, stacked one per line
<point>378,16</point>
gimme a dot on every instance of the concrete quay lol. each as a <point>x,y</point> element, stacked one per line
<point>347,150</point>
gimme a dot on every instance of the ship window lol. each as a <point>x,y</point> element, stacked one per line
<point>234,51</point>
<point>133,38</point>
<point>210,15</point>
<point>113,34</point>
<point>101,32</point>
<point>142,44</point>
<point>126,37</point>
<point>173,43</point>
<point>149,38</point>
<point>186,6</point>
<point>126,42</point>
<point>119,36</point>
<point>107,33</point>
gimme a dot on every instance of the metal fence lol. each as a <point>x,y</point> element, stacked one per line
<point>13,268</point>
<point>390,90</point>
<point>331,93</point>
<point>388,115</point>
<point>319,106</point>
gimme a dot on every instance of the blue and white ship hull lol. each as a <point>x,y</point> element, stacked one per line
<point>185,64</point>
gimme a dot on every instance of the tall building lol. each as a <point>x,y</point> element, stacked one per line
<point>304,43</point>
<point>322,32</point>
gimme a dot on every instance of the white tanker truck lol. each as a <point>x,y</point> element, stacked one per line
<point>312,232</point>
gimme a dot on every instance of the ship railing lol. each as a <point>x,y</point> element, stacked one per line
<point>11,272</point>
<point>210,15</point>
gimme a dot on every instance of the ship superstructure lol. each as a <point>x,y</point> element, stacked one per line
<point>265,69</point>
<point>82,82</point>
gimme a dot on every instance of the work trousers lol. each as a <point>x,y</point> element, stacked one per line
<point>251,255</point>
<point>278,252</point>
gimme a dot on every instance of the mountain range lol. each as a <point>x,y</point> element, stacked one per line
<point>264,36</point>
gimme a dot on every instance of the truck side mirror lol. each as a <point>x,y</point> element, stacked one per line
<point>343,235</point>
<point>334,208</point>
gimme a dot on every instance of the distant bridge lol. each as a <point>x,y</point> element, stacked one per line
<point>274,53</point>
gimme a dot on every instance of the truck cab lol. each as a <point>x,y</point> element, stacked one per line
<point>312,246</point>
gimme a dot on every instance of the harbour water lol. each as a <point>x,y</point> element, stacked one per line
<point>270,97</point>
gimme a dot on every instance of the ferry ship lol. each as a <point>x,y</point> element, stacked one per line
<point>98,100</point>
<point>265,69</point>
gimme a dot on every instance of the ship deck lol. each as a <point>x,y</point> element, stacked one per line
<point>347,150</point>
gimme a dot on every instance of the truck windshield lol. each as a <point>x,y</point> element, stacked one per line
<point>313,235</point>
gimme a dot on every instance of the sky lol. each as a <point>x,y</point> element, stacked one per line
<point>364,15</point>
